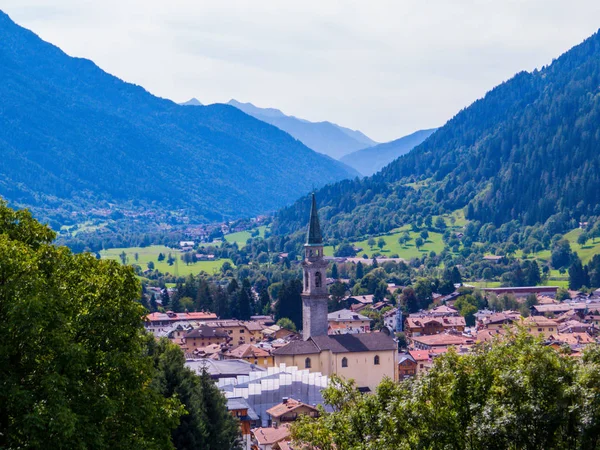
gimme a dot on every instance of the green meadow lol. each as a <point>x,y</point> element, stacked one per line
<point>147,254</point>
<point>242,237</point>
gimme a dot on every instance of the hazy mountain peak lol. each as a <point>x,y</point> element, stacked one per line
<point>324,137</point>
<point>192,102</point>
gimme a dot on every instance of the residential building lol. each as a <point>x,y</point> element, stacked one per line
<point>423,360</point>
<point>540,326</point>
<point>267,438</point>
<point>442,340</point>
<point>407,366</point>
<point>346,321</point>
<point>158,319</point>
<point>423,324</point>
<point>203,336</point>
<point>252,354</point>
<point>240,409</point>
<point>289,410</point>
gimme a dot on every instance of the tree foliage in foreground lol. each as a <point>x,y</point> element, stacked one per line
<point>517,394</point>
<point>77,370</point>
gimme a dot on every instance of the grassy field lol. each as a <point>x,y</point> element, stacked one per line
<point>147,254</point>
<point>393,247</point>
<point>242,237</point>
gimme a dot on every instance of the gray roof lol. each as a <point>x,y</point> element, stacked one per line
<point>207,332</point>
<point>224,368</point>
<point>345,315</point>
<point>234,403</point>
<point>341,343</point>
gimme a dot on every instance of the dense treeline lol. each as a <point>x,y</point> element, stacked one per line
<point>527,151</point>
<point>77,369</point>
<point>515,394</point>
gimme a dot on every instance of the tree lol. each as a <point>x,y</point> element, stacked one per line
<point>265,301</point>
<point>578,276</point>
<point>425,235</point>
<point>136,256</point>
<point>337,292</point>
<point>207,423</point>
<point>371,242</point>
<point>381,243</point>
<point>516,393</point>
<point>286,324</point>
<point>562,294</point>
<point>289,302</point>
<point>561,254</point>
<point>359,271</point>
<point>419,243</point>
<point>409,300</point>
<point>73,369</point>
<point>161,257</point>
<point>583,238</point>
<point>150,265</point>
<point>334,271</point>
<point>245,301</point>
<point>440,223</point>
<point>123,257</point>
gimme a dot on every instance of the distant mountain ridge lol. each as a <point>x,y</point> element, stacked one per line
<point>324,137</point>
<point>74,138</point>
<point>527,153</point>
<point>192,102</point>
<point>369,160</point>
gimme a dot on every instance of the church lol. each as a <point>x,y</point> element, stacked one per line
<point>366,357</point>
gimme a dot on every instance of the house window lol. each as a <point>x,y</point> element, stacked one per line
<point>307,363</point>
<point>241,331</point>
<point>344,362</point>
<point>318,279</point>
<point>376,360</point>
<point>539,329</point>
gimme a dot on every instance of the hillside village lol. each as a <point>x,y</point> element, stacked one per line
<point>245,356</point>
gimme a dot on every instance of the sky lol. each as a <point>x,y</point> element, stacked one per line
<point>387,68</point>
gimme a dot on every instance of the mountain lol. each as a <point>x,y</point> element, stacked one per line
<point>369,160</point>
<point>74,138</point>
<point>527,153</point>
<point>323,137</point>
<point>192,102</point>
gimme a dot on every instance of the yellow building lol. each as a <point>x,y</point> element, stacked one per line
<point>240,332</point>
<point>364,357</point>
<point>251,353</point>
<point>540,326</point>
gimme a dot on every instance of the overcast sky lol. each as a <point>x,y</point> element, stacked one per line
<point>384,67</point>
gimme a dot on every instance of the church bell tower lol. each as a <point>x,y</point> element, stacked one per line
<point>314,293</point>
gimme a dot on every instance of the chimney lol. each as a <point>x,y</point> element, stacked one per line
<point>285,400</point>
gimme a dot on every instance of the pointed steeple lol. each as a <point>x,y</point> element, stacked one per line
<point>313,237</point>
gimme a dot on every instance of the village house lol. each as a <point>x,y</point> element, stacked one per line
<point>407,366</point>
<point>443,340</point>
<point>203,336</point>
<point>241,332</point>
<point>158,319</point>
<point>289,410</point>
<point>423,324</point>
<point>252,354</point>
<point>423,361</point>
<point>241,410</point>
<point>540,326</point>
<point>346,321</point>
<point>499,320</point>
<point>365,357</point>
<point>268,438</point>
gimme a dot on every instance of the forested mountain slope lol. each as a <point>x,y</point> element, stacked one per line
<point>324,137</point>
<point>74,138</point>
<point>526,151</point>
<point>369,160</point>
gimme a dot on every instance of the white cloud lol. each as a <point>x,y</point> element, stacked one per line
<point>385,67</point>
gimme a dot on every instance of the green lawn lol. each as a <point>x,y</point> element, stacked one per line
<point>147,254</point>
<point>585,252</point>
<point>407,251</point>
<point>242,237</point>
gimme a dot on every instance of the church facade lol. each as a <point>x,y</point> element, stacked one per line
<point>366,357</point>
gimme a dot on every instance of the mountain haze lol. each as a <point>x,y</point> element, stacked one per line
<point>323,137</point>
<point>529,152</point>
<point>369,160</point>
<point>73,137</point>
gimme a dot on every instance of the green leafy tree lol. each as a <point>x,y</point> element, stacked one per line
<point>419,243</point>
<point>287,324</point>
<point>359,271</point>
<point>381,243</point>
<point>206,424</point>
<point>289,302</point>
<point>334,271</point>
<point>72,362</point>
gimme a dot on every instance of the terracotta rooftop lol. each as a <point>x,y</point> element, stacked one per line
<point>269,436</point>
<point>286,406</point>
<point>206,332</point>
<point>419,355</point>
<point>247,351</point>
<point>436,340</point>
<point>174,317</point>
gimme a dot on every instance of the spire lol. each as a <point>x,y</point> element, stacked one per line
<point>314,229</point>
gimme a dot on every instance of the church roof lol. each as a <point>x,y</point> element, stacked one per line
<point>313,236</point>
<point>342,343</point>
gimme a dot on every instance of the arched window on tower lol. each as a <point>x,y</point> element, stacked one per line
<point>305,282</point>
<point>318,279</point>
<point>376,360</point>
<point>344,362</point>
<point>307,363</point>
